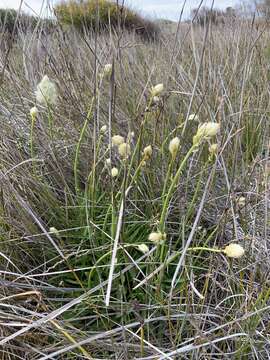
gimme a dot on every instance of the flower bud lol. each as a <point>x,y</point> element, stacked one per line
<point>213,149</point>
<point>33,112</point>
<point>143,248</point>
<point>117,140</point>
<point>234,251</point>
<point>156,90</point>
<point>103,129</point>
<point>54,231</point>
<point>108,162</point>
<point>174,146</point>
<point>157,237</point>
<point>241,202</point>
<point>147,152</point>
<point>114,172</point>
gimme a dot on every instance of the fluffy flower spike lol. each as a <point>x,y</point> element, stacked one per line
<point>117,140</point>
<point>157,90</point>
<point>174,146</point>
<point>206,131</point>
<point>124,150</point>
<point>147,152</point>
<point>157,237</point>
<point>114,172</point>
<point>143,248</point>
<point>46,93</point>
<point>33,112</point>
<point>107,70</point>
<point>234,251</point>
<point>103,129</point>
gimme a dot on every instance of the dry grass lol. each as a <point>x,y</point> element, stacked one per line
<point>54,283</point>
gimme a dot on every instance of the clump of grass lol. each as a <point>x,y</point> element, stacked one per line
<point>110,15</point>
<point>130,226</point>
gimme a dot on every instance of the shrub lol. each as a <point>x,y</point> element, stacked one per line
<point>10,20</point>
<point>82,15</point>
<point>205,15</point>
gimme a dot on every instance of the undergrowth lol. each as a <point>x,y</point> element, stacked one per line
<point>129,228</point>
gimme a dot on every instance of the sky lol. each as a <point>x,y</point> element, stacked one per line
<point>169,9</point>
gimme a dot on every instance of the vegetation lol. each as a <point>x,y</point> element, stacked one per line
<point>11,21</point>
<point>205,15</point>
<point>111,15</point>
<point>135,195</point>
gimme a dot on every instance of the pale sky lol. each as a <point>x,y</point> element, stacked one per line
<point>169,9</point>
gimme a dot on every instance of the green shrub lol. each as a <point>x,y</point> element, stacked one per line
<point>9,21</point>
<point>82,15</point>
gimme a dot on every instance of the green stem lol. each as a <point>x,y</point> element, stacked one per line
<point>75,167</point>
<point>33,120</point>
<point>171,189</point>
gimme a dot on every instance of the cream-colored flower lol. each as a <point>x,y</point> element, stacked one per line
<point>103,129</point>
<point>33,112</point>
<point>157,237</point>
<point>107,69</point>
<point>114,172</point>
<point>54,231</point>
<point>156,99</point>
<point>213,149</point>
<point>193,117</point>
<point>241,202</point>
<point>206,131</point>
<point>174,146</point>
<point>117,140</point>
<point>234,251</point>
<point>108,162</point>
<point>157,90</point>
<point>143,248</point>
<point>147,152</point>
<point>124,150</point>
<point>46,93</point>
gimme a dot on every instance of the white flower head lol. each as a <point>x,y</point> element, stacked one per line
<point>114,172</point>
<point>193,117</point>
<point>33,112</point>
<point>157,90</point>
<point>147,152</point>
<point>117,140</point>
<point>124,150</point>
<point>107,69</point>
<point>234,251</point>
<point>143,248</point>
<point>156,99</point>
<point>46,93</point>
<point>213,149</point>
<point>108,162</point>
<point>241,201</point>
<point>174,145</point>
<point>54,231</point>
<point>103,129</point>
<point>157,237</point>
<point>206,131</point>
